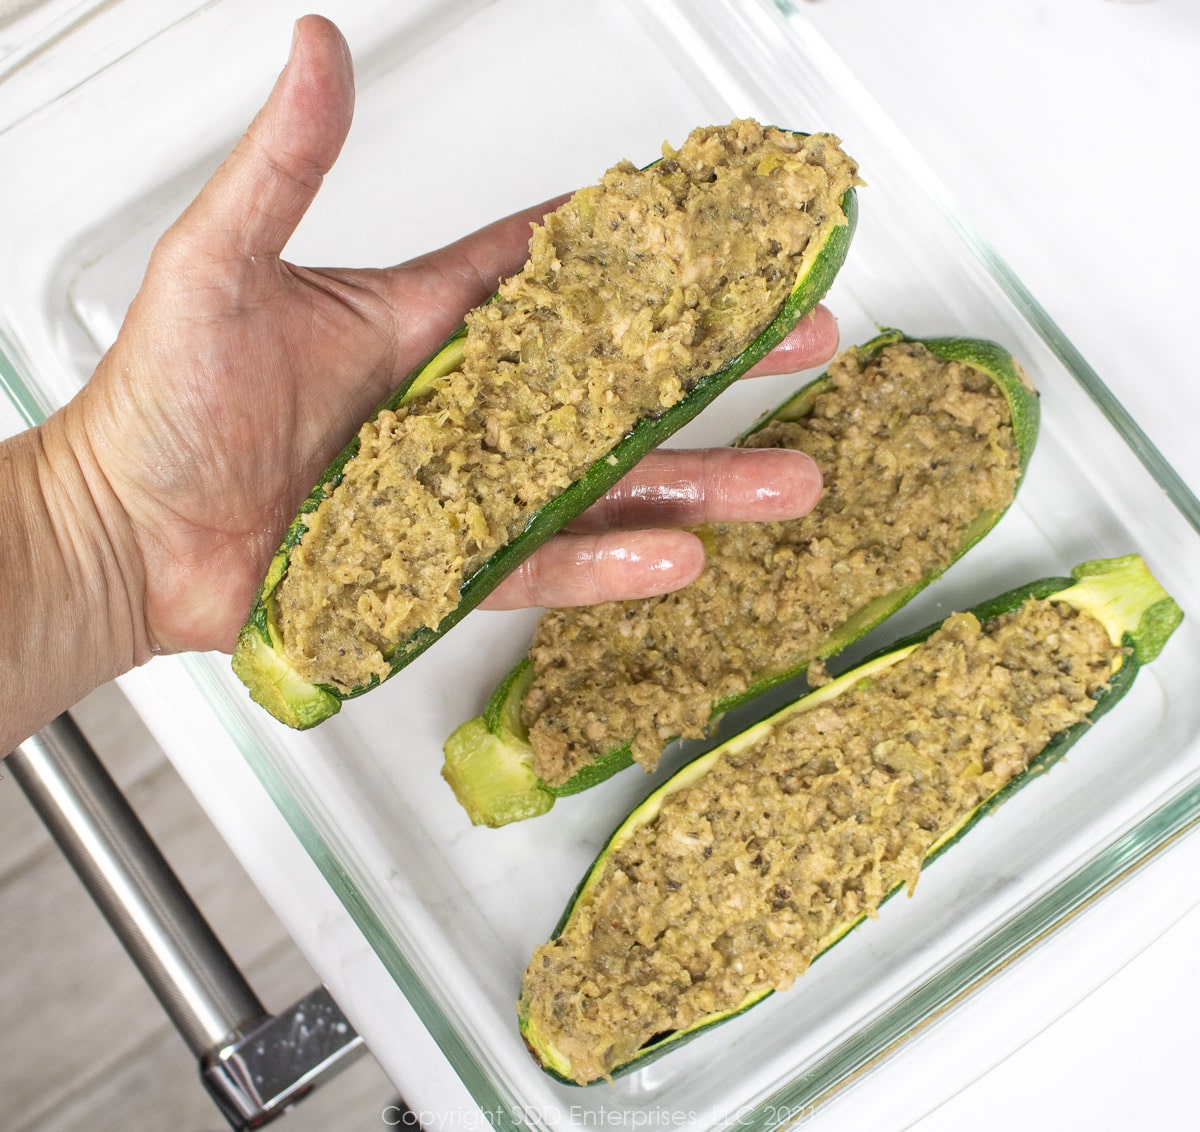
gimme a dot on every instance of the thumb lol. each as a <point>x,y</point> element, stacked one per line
<point>253,202</point>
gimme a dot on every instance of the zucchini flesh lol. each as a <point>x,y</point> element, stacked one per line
<point>1133,612</point>
<point>260,659</point>
<point>509,757</point>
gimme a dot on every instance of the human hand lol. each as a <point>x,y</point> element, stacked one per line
<point>237,376</point>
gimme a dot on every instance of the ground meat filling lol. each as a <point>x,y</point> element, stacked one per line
<point>634,290</point>
<point>747,874</point>
<point>911,448</point>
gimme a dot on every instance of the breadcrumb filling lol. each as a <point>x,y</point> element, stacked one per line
<point>634,290</point>
<point>746,875</point>
<point>912,449</point>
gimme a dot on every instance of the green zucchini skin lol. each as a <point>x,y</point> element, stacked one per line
<point>259,660</point>
<point>508,746</point>
<point>1120,592</point>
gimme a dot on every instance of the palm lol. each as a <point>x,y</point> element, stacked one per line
<point>219,455</point>
<point>267,371</point>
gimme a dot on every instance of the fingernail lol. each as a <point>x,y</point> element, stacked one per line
<point>295,40</point>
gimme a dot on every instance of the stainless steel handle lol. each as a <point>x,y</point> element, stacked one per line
<point>108,847</point>
<point>254,1064</point>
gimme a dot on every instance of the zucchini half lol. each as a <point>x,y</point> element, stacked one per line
<point>259,659</point>
<point>1120,593</point>
<point>488,759</point>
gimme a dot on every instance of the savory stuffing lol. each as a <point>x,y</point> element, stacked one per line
<point>912,449</point>
<point>745,876</point>
<point>634,290</point>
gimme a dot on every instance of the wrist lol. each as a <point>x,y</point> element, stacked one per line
<point>96,541</point>
<point>71,572</point>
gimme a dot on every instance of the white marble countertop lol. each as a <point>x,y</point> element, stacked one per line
<point>1066,130</point>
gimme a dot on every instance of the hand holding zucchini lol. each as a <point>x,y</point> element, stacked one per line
<point>643,298</point>
<point>922,445</point>
<point>733,876</point>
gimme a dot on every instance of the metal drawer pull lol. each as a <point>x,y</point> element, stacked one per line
<point>272,1066</point>
<point>254,1064</point>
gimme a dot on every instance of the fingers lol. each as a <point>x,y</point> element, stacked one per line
<point>679,487</point>
<point>585,569</point>
<point>597,559</point>
<point>812,342</point>
<point>253,202</point>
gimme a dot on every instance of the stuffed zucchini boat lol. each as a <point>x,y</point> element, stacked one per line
<point>922,445</point>
<point>733,876</point>
<point>643,298</point>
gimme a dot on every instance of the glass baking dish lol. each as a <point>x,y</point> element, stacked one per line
<point>469,110</point>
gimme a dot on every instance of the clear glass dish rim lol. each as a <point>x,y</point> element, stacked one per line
<point>985,957</point>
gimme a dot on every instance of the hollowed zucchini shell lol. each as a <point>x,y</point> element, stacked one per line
<point>1120,593</point>
<point>259,659</point>
<point>489,760</point>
